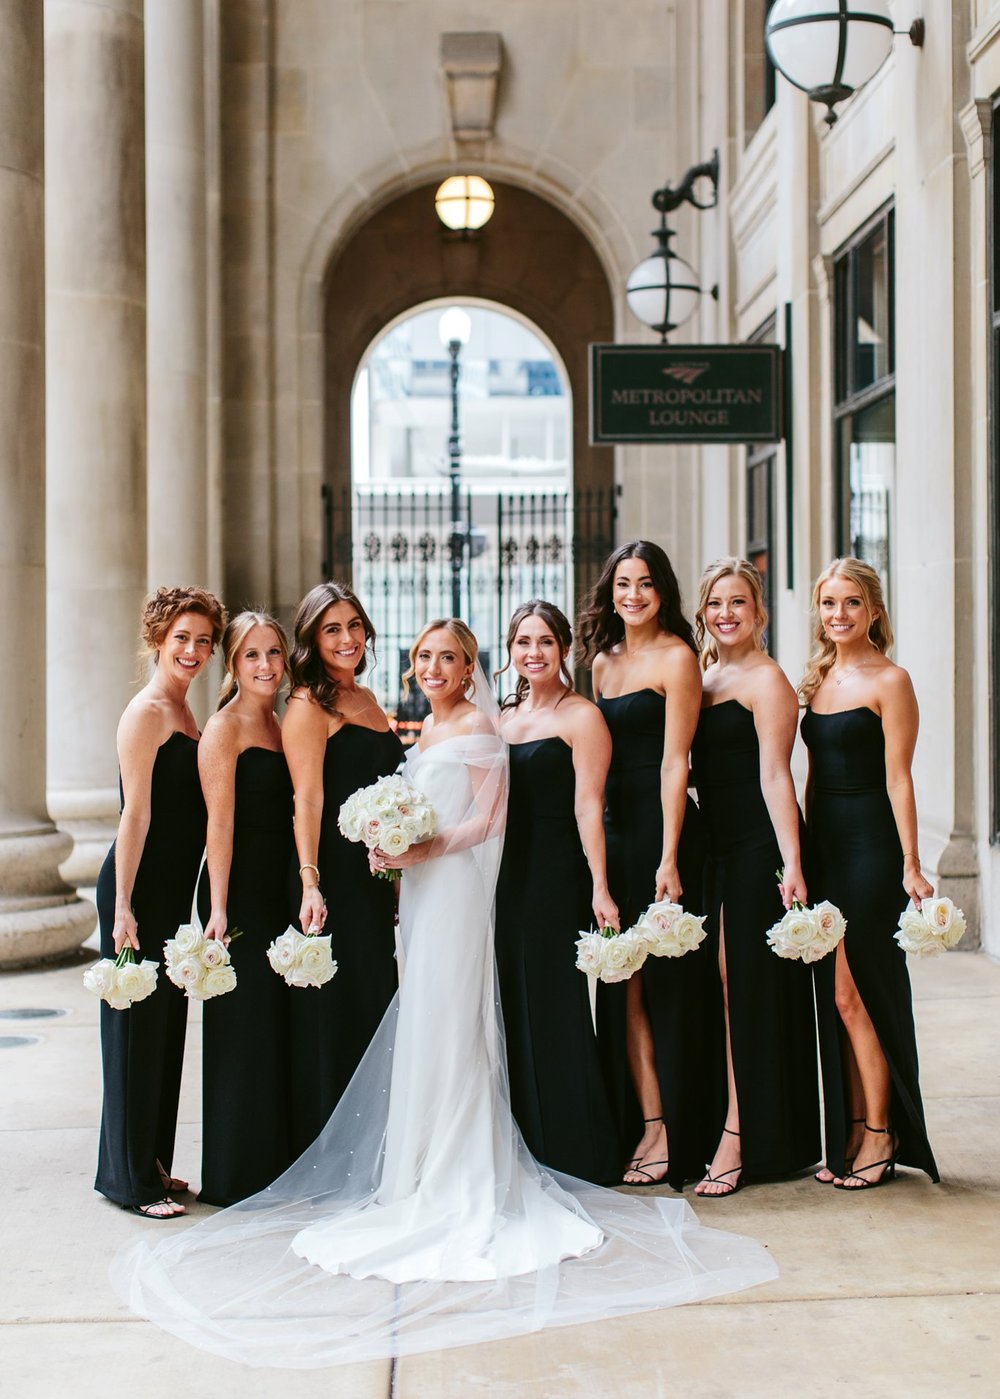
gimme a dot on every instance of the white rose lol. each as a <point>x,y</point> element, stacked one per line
<point>283,951</point>
<point>117,1000</point>
<point>830,922</point>
<point>946,921</point>
<point>689,932</point>
<point>214,953</point>
<point>590,953</point>
<point>793,934</point>
<point>186,940</point>
<point>218,980</point>
<point>101,977</point>
<point>372,832</point>
<point>186,973</point>
<point>315,962</point>
<point>618,958</point>
<point>394,841</point>
<point>148,970</point>
<point>132,982</point>
<point>915,934</point>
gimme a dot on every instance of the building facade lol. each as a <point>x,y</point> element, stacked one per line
<point>239,201</point>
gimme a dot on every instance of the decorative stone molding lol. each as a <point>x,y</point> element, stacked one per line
<point>958,879</point>
<point>976,119</point>
<point>471,66</point>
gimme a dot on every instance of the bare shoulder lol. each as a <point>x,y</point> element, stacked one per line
<point>223,734</point>
<point>678,664</point>
<point>582,721</point>
<point>304,712</point>
<point>893,685</point>
<point>146,722</point>
<point>769,685</point>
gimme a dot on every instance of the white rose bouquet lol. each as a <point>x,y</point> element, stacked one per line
<point>935,927</point>
<point>807,934</point>
<point>123,981</point>
<point>200,966</point>
<point>667,931</point>
<point>390,816</point>
<point>610,956</point>
<point>303,959</point>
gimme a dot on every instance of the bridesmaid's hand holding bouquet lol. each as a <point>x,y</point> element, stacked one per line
<point>806,934</point>
<point>935,927</point>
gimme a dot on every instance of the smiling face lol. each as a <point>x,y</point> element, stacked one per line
<point>440,665</point>
<point>259,667</point>
<point>186,647</point>
<point>340,640</point>
<point>535,650</point>
<point>730,612</point>
<point>843,611</point>
<point>633,594</point>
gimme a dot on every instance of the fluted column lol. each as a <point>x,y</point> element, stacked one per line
<point>39,915</point>
<point>176,297</point>
<point>95,233</point>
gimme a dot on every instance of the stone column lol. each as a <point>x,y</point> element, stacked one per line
<point>95,240</point>
<point>176,296</point>
<point>39,915</point>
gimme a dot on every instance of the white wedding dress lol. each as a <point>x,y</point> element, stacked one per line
<point>418,1219</point>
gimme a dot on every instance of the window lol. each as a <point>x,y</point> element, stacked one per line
<point>758,70</point>
<point>864,388</point>
<point>759,533</point>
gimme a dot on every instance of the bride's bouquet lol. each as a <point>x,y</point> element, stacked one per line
<point>303,959</point>
<point>390,816</point>
<point>198,965</point>
<point>935,927</point>
<point>610,956</point>
<point>807,934</point>
<point>123,981</point>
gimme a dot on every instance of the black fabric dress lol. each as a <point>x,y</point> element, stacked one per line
<point>332,1025</point>
<point>557,1089</point>
<point>771,1018</point>
<point>142,1048</point>
<point>246,1060</point>
<point>673,987</point>
<point>860,861</point>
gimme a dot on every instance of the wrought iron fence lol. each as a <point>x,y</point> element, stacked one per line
<point>397,549</point>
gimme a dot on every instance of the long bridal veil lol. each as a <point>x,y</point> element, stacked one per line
<point>418,1220</point>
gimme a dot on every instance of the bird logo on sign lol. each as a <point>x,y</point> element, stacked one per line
<point>686,373</point>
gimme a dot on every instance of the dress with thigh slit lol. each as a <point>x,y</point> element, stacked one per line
<point>142,1048</point>
<point>771,1017</point>
<point>673,988</point>
<point>860,861</point>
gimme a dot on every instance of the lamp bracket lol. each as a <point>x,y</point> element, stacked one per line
<point>669,198</point>
<point>916,33</point>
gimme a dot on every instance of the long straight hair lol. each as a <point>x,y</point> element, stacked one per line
<point>599,626</point>
<point>305,663</point>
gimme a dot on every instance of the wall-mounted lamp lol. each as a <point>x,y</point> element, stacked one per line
<point>830,48</point>
<point>663,291</point>
<point>464,203</point>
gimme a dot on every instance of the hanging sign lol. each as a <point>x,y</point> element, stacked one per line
<point>685,393</point>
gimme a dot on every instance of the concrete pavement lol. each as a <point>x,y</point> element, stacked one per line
<point>894,1292</point>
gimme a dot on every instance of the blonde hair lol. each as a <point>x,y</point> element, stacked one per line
<point>467,644</point>
<point>869,586</point>
<point>728,567</point>
<point>233,638</point>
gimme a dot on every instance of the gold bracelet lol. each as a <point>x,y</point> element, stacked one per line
<point>911,855</point>
<point>303,868</point>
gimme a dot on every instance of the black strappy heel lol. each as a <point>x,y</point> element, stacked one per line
<point>730,1187</point>
<point>641,1170</point>
<point>889,1163</point>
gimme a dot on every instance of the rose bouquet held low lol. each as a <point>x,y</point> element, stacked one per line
<point>303,959</point>
<point>390,816</point>
<point>200,966</point>
<point>122,981</point>
<point>935,927</point>
<point>610,956</point>
<point>806,934</point>
<point>668,931</point>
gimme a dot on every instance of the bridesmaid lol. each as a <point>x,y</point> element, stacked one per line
<point>144,893</point>
<point>336,739</point>
<point>741,755</point>
<point>648,683</point>
<point>553,883</point>
<point>246,1065</point>
<point>860,726</point>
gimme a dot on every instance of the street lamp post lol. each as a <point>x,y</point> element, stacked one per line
<point>454,330</point>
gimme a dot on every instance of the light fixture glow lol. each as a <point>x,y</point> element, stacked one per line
<point>464,203</point>
<point>454,327</point>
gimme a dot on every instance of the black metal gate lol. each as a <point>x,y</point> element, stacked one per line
<point>397,549</point>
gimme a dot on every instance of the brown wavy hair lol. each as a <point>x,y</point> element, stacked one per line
<point>167,604</point>
<point>599,626</point>
<point>869,586</point>
<point>728,567</point>
<point>305,665</point>
<point>463,635</point>
<point>558,624</point>
<point>233,638</point>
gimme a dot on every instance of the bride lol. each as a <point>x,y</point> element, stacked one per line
<point>418,1219</point>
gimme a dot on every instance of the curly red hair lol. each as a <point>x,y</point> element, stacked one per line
<point>167,604</point>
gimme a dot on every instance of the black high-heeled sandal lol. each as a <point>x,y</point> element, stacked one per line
<point>636,1169</point>
<point>889,1164</point>
<point>146,1211</point>
<point>730,1187</point>
<point>818,1176</point>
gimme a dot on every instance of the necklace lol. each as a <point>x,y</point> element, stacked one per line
<point>852,670</point>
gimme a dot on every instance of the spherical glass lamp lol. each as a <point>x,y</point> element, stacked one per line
<point>829,48</point>
<point>464,203</point>
<point>454,327</point>
<point>663,291</point>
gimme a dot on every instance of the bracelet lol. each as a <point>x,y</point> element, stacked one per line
<point>911,855</point>
<point>303,868</point>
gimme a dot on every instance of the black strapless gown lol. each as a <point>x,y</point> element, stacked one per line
<point>332,1025</point>
<point>557,1089</point>
<point>143,1048</point>
<point>860,861</point>
<point>246,1063</point>
<point>772,1023</point>
<point>673,987</point>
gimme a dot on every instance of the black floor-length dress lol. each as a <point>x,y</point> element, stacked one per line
<point>771,1017</point>
<point>246,1059</point>
<point>557,1089</point>
<point>673,987</point>
<point>333,1025</point>
<point>860,861</point>
<point>142,1048</point>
